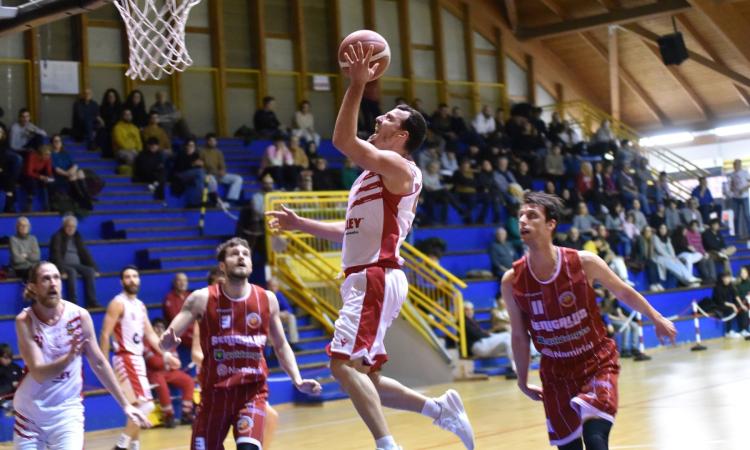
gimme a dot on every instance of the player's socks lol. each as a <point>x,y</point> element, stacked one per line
<point>431,409</point>
<point>596,434</point>
<point>135,445</point>
<point>386,443</point>
<point>123,442</point>
<point>574,445</point>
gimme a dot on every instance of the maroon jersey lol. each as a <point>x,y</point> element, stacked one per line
<point>561,314</point>
<point>233,334</point>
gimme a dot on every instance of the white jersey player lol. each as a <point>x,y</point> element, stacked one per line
<point>127,322</point>
<point>380,213</point>
<point>52,336</point>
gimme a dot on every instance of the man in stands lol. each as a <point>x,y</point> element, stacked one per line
<point>265,121</point>
<point>70,254</point>
<point>126,139</point>
<point>24,135</point>
<point>150,167</point>
<point>483,344</point>
<point>216,169</point>
<point>154,130</point>
<point>713,243</point>
<point>172,305</point>
<point>85,115</point>
<point>739,183</point>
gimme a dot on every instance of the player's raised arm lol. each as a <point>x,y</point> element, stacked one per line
<point>288,220</point>
<point>104,373</point>
<point>32,355</point>
<point>284,352</point>
<point>597,270</point>
<point>192,310</point>
<point>519,339</point>
<point>114,312</point>
<point>388,164</point>
<point>154,340</point>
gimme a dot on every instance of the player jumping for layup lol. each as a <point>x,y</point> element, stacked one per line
<point>235,319</point>
<point>379,215</point>
<point>52,335</point>
<point>549,296</point>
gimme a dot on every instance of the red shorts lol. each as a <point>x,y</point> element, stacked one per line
<point>243,407</point>
<point>569,401</point>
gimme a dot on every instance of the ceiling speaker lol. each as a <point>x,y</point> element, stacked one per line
<point>672,49</point>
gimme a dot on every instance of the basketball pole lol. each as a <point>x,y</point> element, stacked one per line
<point>698,346</point>
<point>204,200</point>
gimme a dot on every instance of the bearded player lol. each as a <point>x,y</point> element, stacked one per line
<point>52,335</point>
<point>550,298</point>
<point>235,320</point>
<point>379,215</point>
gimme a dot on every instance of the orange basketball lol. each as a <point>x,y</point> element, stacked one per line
<point>381,52</point>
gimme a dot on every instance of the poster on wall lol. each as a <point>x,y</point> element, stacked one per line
<point>321,83</point>
<point>59,77</point>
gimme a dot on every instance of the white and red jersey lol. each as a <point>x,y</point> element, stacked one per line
<point>61,394</point>
<point>130,329</point>
<point>233,334</point>
<point>377,222</point>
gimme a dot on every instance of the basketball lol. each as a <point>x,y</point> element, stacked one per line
<point>381,52</point>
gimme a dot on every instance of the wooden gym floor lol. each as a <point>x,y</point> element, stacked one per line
<point>679,400</point>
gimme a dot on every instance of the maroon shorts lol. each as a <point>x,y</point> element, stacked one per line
<point>243,407</point>
<point>571,400</point>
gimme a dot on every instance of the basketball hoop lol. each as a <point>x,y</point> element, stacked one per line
<point>156,36</point>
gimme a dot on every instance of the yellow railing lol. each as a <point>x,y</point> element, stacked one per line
<point>588,118</point>
<point>309,269</point>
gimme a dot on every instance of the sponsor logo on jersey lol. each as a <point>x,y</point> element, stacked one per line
<point>200,443</point>
<point>223,370</point>
<point>136,338</point>
<point>222,355</point>
<point>244,424</point>
<point>257,340</point>
<point>253,321</point>
<point>226,321</point>
<point>557,340</point>
<point>65,375</point>
<point>354,223</point>
<point>567,299</point>
<point>70,327</point>
<point>575,352</point>
<point>566,322</point>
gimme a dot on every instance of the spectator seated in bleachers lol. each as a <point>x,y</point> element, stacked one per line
<point>639,218</point>
<point>604,139</point>
<point>169,117</point>
<point>68,177</point>
<point>350,173</point>
<point>448,163</point>
<point>465,190</point>
<point>615,224</point>
<point>573,239</point>
<point>24,249</point>
<point>165,376</point>
<point>554,164</point>
<point>667,260</point>
<point>300,159</point>
<point>690,256</point>
<point>441,124</point>
<point>137,106</point>
<point>324,178</point>
<point>216,170</point>
<point>627,331</point>
<point>10,376</point>
<point>725,301</point>
<point>172,305</point>
<point>24,135</point>
<point>69,253</point>
<point>85,119</point>
<point>126,141</point>
<point>278,161</point>
<point>303,126</point>
<point>38,177</point>
<point>110,112</point>
<point>482,344</point>
<point>502,253</point>
<point>585,222</point>
<point>436,196</point>
<point>286,313</point>
<point>706,203</point>
<point>691,212</point>
<point>662,191</point>
<point>643,258</point>
<point>266,123</point>
<point>742,284</point>
<point>11,165</point>
<point>154,130</point>
<point>599,245</point>
<point>150,167</point>
<point>484,125</point>
<point>695,243</point>
<point>489,195</point>
<point>672,216</point>
<point>189,175</point>
<point>713,243</point>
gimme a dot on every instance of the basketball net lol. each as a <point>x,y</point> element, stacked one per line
<point>156,36</point>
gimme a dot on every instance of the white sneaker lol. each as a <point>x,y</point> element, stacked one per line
<point>733,334</point>
<point>745,333</point>
<point>453,418</point>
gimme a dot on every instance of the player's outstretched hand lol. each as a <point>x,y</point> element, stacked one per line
<point>169,340</point>
<point>311,387</point>
<point>358,58</point>
<point>284,220</point>
<point>665,330</point>
<point>531,391</point>
<point>137,416</point>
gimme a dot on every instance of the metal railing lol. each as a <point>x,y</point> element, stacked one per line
<point>309,271</point>
<point>588,118</point>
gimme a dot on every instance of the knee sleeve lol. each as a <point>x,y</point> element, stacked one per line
<point>596,434</point>
<point>247,446</point>
<point>575,445</point>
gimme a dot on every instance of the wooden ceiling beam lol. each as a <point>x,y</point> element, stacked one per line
<point>512,14</point>
<point>712,53</point>
<point>628,79</point>
<point>683,82</point>
<point>610,5</point>
<point>620,16</point>
<point>721,69</point>
<point>729,22</point>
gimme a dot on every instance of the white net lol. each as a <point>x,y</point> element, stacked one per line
<point>156,36</point>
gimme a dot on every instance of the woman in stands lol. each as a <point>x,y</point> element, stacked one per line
<point>52,335</point>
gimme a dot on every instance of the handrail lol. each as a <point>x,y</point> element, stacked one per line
<point>309,271</point>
